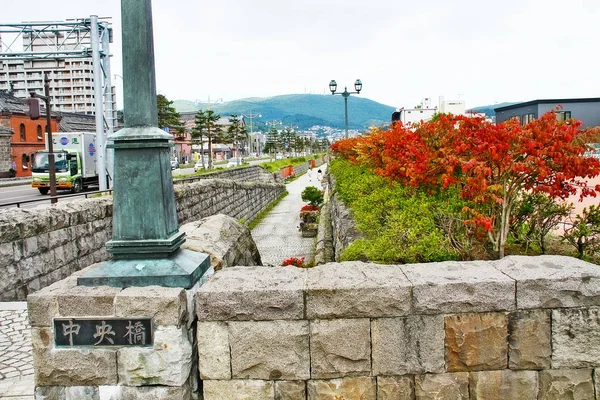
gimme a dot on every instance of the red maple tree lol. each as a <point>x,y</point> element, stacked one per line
<point>491,164</point>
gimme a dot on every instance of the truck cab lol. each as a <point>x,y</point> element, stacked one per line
<point>75,156</point>
<point>67,168</point>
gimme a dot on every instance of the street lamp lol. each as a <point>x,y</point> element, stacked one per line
<point>346,94</point>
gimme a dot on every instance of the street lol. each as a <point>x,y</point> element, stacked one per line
<point>13,194</point>
<point>25,192</point>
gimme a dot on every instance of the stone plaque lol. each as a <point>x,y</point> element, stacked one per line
<point>105,332</point>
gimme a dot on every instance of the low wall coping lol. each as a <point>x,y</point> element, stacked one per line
<point>357,289</point>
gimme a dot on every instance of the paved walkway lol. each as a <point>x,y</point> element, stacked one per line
<point>16,363</point>
<point>277,238</point>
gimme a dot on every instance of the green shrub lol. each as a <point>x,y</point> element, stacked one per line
<point>313,196</point>
<point>400,225</point>
<point>584,232</point>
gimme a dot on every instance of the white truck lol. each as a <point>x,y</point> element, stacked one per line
<point>75,162</point>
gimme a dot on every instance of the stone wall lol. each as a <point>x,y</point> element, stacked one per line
<point>43,245</point>
<point>160,371</point>
<point>249,174</point>
<point>344,230</point>
<point>242,174</point>
<point>299,169</point>
<point>241,200</point>
<point>165,370</point>
<point>517,328</point>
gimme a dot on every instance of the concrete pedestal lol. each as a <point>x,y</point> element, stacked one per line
<point>164,369</point>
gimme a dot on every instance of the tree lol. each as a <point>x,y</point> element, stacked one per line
<point>206,122</point>
<point>272,142</point>
<point>491,165</point>
<point>168,117</point>
<point>197,133</point>
<point>298,144</point>
<point>287,139</point>
<point>535,216</point>
<point>236,133</point>
<point>584,231</point>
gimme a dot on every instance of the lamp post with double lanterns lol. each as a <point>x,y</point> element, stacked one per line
<point>346,94</point>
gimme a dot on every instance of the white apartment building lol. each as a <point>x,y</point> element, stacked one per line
<point>422,112</point>
<point>456,107</point>
<point>71,79</point>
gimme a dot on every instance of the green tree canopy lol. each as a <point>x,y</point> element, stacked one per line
<point>206,125</point>
<point>236,133</point>
<point>167,116</point>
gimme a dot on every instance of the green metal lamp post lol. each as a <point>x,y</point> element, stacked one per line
<point>145,238</point>
<point>346,94</point>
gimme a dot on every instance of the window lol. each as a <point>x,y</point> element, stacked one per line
<point>527,118</point>
<point>24,161</point>
<point>40,136</point>
<point>563,115</point>
<point>22,132</point>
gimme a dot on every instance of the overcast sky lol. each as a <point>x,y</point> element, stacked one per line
<point>480,51</point>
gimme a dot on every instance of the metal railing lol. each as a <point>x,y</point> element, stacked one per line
<point>50,198</point>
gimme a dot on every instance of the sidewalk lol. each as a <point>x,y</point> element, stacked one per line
<point>16,362</point>
<point>277,236</point>
<point>8,182</point>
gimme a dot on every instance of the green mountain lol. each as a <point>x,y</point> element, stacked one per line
<point>303,110</point>
<point>489,110</point>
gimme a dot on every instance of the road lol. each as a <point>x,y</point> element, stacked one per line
<point>25,192</point>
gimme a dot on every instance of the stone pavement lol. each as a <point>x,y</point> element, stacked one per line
<point>16,363</point>
<point>277,236</point>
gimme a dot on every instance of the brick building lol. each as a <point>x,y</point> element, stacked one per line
<point>26,136</point>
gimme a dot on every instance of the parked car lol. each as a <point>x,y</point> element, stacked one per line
<point>174,164</point>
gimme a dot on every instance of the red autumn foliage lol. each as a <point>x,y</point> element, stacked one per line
<point>297,262</point>
<point>491,164</point>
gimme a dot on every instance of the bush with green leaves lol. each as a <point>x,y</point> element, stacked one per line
<point>313,196</point>
<point>583,232</point>
<point>535,216</point>
<point>399,224</point>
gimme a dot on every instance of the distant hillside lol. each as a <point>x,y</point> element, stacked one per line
<point>489,110</point>
<point>303,110</point>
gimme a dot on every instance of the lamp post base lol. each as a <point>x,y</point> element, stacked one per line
<point>182,269</point>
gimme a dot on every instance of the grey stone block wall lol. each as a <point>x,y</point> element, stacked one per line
<point>344,230</point>
<point>164,370</point>
<point>44,245</point>
<point>241,174</point>
<point>517,328</point>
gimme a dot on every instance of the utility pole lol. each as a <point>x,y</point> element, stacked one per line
<point>251,117</point>
<point>51,161</point>
<point>33,113</point>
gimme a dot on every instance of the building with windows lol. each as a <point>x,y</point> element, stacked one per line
<point>454,107</point>
<point>71,79</point>
<point>183,148</point>
<point>26,136</point>
<point>586,110</point>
